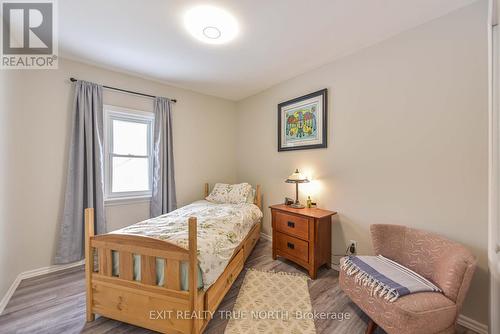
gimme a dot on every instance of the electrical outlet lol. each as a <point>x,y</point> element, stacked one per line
<point>353,246</point>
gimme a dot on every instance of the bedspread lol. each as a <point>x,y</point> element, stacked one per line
<point>221,229</point>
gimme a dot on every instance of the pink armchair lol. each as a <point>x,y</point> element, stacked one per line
<point>446,263</point>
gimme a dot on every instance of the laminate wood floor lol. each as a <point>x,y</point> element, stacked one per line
<point>55,303</point>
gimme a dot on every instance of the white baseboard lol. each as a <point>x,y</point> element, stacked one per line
<point>335,266</point>
<point>9,293</point>
<point>266,236</point>
<point>472,324</point>
<point>30,274</point>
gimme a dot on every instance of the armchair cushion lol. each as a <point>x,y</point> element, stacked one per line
<point>423,312</point>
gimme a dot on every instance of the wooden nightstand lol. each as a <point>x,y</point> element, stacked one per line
<point>303,236</point>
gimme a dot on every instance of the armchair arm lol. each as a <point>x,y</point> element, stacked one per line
<point>453,271</point>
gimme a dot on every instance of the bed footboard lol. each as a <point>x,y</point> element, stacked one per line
<point>165,308</point>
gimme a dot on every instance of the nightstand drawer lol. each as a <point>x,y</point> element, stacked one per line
<point>293,225</point>
<point>292,246</point>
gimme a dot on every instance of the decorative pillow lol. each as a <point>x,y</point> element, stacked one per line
<point>239,193</point>
<point>227,193</point>
<point>251,196</point>
<point>219,194</point>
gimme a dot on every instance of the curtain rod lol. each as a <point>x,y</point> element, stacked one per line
<point>126,91</point>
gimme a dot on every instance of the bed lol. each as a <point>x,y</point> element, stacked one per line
<point>165,275</point>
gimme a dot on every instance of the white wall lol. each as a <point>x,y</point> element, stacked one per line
<point>408,139</point>
<point>34,150</point>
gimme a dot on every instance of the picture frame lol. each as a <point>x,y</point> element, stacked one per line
<point>302,122</point>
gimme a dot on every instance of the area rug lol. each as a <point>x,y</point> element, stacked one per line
<point>272,302</point>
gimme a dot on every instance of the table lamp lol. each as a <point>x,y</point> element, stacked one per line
<point>297,178</point>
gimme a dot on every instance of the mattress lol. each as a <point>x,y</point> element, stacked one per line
<point>221,229</point>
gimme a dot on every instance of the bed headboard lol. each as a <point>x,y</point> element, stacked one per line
<point>258,195</point>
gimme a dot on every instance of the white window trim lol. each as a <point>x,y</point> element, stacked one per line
<point>119,113</point>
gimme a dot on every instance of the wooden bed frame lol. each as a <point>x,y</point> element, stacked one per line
<point>166,309</point>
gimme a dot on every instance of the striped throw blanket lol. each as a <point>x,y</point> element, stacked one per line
<point>385,278</point>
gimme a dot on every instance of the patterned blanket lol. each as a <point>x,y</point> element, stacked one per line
<point>384,277</point>
<point>221,228</point>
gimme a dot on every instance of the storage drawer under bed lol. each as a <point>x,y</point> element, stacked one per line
<point>218,290</point>
<point>251,240</point>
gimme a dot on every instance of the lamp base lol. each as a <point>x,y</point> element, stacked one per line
<point>297,205</point>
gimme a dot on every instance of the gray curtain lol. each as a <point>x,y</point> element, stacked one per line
<point>163,199</point>
<point>84,184</point>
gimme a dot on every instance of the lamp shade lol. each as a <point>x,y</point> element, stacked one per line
<point>297,177</point>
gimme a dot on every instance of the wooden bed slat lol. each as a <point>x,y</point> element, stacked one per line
<point>181,255</point>
<point>139,241</point>
<point>172,279</point>
<point>126,261</point>
<point>105,261</point>
<point>148,270</point>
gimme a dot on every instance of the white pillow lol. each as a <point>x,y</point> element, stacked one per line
<point>229,193</point>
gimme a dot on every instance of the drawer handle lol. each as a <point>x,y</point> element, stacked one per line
<point>291,224</point>
<point>290,245</point>
<point>120,301</point>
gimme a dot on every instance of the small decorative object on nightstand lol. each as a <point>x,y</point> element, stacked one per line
<point>303,236</point>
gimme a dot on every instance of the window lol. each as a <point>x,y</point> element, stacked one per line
<point>128,147</point>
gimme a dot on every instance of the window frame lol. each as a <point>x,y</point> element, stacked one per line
<point>112,113</point>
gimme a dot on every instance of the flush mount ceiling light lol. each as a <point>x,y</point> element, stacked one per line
<point>211,32</point>
<point>211,24</point>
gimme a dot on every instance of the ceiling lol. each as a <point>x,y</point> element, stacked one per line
<point>278,39</point>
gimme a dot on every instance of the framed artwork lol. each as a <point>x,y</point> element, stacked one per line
<point>302,122</point>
